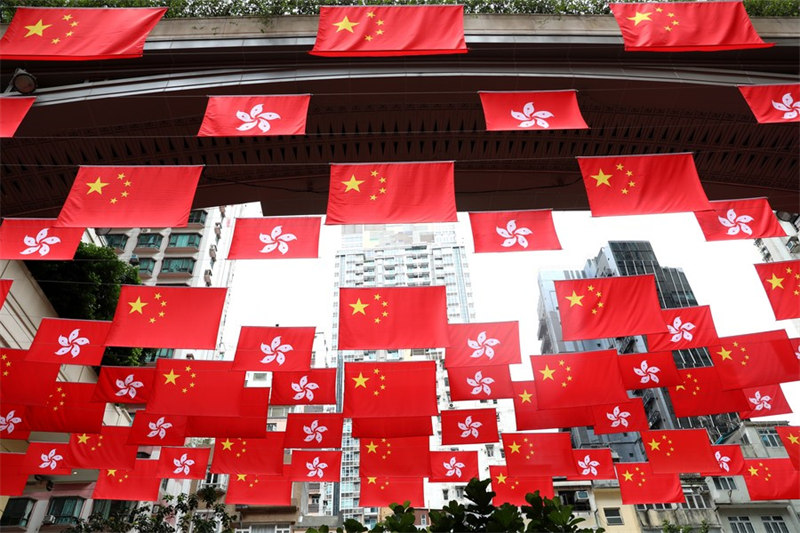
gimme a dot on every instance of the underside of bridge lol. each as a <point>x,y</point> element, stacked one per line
<point>147,112</point>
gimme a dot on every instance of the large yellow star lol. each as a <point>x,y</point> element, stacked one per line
<point>352,184</point>
<point>111,472</point>
<point>345,24</point>
<point>575,299</point>
<point>547,372</point>
<point>775,281</point>
<point>526,396</point>
<point>360,380</point>
<point>725,354</point>
<point>371,480</point>
<point>627,475</point>
<point>654,445</point>
<point>639,17</point>
<point>514,447</point>
<point>753,471</point>
<point>83,439</point>
<point>359,307</point>
<point>171,377</point>
<point>372,447</point>
<point>37,29</point>
<point>241,477</point>
<point>136,307</point>
<point>601,179</point>
<point>501,478</point>
<point>97,186</point>
<point>794,439</point>
<point>227,444</point>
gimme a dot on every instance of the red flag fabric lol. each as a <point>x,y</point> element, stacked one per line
<point>638,484</point>
<point>316,465</point>
<point>107,449</point>
<point>167,317</point>
<point>316,386</point>
<point>620,417</point>
<point>124,384</point>
<point>358,31</point>
<point>12,111</point>
<point>228,426</point>
<point>5,288</point>
<point>512,488</point>
<point>596,308</point>
<point>728,220</point>
<point>790,436</point>
<point>687,327</point>
<point>48,459</point>
<point>249,456</point>
<point>392,317</point>
<point>380,491</point>
<point>69,409</point>
<point>771,479</point>
<point>700,393</point>
<point>648,370</point>
<point>25,382</point>
<point>685,27</point>
<point>781,282</point>
<point>375,390</point>
<point>730,460</point>
<point>78,34</point>
<point>529,415</point>
<point>753,360</point>
<point>259,489</point>
<point>138,484</point>
<point>150,429</point>
<point>401,457</point>
<point>469,426</point>
<point>71,342</point>
<point>679,450</point>
<point>183,463</point>
<point>642,184</point>
<point>37,238</point>
<point>773,103</point>
<point>14,421</point>
<point>532,110</point>
<point>453,467</point>
<point>15,475</point>
<point>595,463</point>
<point>275,238</point>
<point>577,379</point>
<point>130,197</point>
<point>535,454</point>
<point>493,343</point>
<point>240,116</point>
<point>479,383</point>
<point>396,426</point>
<point>766,400</point>
<point>274,349</point>
<point>314,430</point>
<point>514,231</point>
<point>391,193</point>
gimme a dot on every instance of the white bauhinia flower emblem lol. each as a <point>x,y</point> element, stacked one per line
<point>588,466</point>
<point>480,384</point>
<point>128,386</point>
<point>71,344</point>
<point>453,467</point>
<point>680,330</point>
<point>8,422</point>
<point>618,417</point>
<point>304,389</point>
<point>182,465</point>
<point>483,345</point>
<point>256,117</point>
<point>647,373</point>
<point>314,431</point>
<point>736,223</point>
<point>530,117</point>
<point>50,460</point>
<point>788,105</point>
<point>513,234</point>
<point>469,428</point>
<point>797,351</point>
<point>158,428</point>
<point>41,243</point>
<point>275,351</point>
<point>276,240</point>
<point>722,461</point>
<point>761,402</point>
<point>316,468</point>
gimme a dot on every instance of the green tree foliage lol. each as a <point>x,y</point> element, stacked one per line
<point>669,527</point>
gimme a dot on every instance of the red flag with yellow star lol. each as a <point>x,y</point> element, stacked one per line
<point>529,415</point>
<point>12,111</point>
<point>642,184</point>
<point>771,479</point>
<point>469,426</point>
<point>260,489</point>
<point>686,27</point>
<point>577,379</point>
<point>358,31</point>
<point>167,317</point>
<point>390,389</point>
<point>141,483</point>
<point>229,426</point>
<point>15,474</point>
<point>396,426</point>
<point>25,382</point>
<point>402,457</point>
<point>781,282</point>
<point>512,488</point>
<point>396,317</point>
<point>107,449</point>
<point>78,34</point>
<point>69,409</point>
<point>790,436</point>
<point>248,456</point>
<point>316,386</point>
<point>638,484</point>
<point>596,308</point>
<point>679,450</point>
<point>532,454</point>
<point>699,392</point>
<point>130,197</point>
<point>391,193</point>
<point>753,360</point>
<point>37,239</point>
<point>488,343</point>
<point>380,491</point>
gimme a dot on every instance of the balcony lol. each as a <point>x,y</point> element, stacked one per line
<point>177,268</point>
<point>183,243</point>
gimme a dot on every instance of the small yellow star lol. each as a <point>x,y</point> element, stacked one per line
<point>55,41</point>
<point>359,307</point>
<point>360,380</point>
<point>601,179</point>
<point>345,24</point>
<point>352,184</point>
<point>526,396</point>
<point>37,29</point>
<point>368,38</point>
<point>96,186</point>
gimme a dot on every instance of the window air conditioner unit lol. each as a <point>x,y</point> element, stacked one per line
<point>581,496</point>
<point>49,519</point>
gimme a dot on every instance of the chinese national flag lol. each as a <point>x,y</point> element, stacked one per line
<point>260,489</point>
<point>374,31</point>
<point>124,384</point>
<point>69,409</point>
<point>620,417</point>
<point>596,308</point>
<point>781,282</point>
<point>771,479</point>
<point>729,458</point>
<point>512,488</point>
<point>479,383</point>
<point>679,451</point>
<point>766,400</point>
<point>240,116</point>
<point>130,197</point>
<point>316,386</point>
<point>397,426</point>
<point>275,238</point>
<point>229,426</point>
<point>25,382</point>
<point>16,425</point>
<point>638,484</point>
<point>750,218</point>
<point>150,429</point>
<point>70,342</point>
<point>513,231</point>
<point>37,238</point>
<point>48,458</point>
<point>78,34</point>
<point>687,327</point>
<point>391,193</point>
<point>493,343</point>
<point>594,463</point>
<point>375,390</point>
<point>274,349</point>
<point>453,467</point>
<point>529,416</point>
<point>752,360</point>
<point>107,449</point>
<point>469,426</point>
<point>183,463</point>
<point>686,27</point>
<point>315,465</point>
<point>790,436</point>
<point>167,317</point>
<point>402,457</point>
<point>642,184</point>
<point>773,103</point>
<point>380,491</point>
<point>138,484</point>
<point>535,454</point>
<point>12,111</point>
<point>700,393</point>
<point>577,379</point>
<point>532,110</point>
<point>648,370</point>
<point>314,430</point>
<point>249,456</point>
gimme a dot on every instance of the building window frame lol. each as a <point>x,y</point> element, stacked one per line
<point>741,524</point>
<point>613,516</point>
<point>149,240</point>
<point>774,524</point>
<point>65,509</point>
<point>184,240</point>
<point>770,438</point>
<point>724,482</point>
<point>174,265</point>
<point>17,512</point>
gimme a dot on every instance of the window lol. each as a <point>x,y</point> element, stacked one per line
<point>197,217</point>
<point>178,264</point>
<point>695,499</point>
<point>740,524</point>
<point>65,510</point>
<point>724,483</point>
<point>613,516</point>
<point>17,512</point>
<point>146,265</point>
<point>423,520</point>
<point>150,355</point>
<point>769,436</point>
<point>116,240</point>
<point>774,524</point>
<point>107,508</point>
<point>184,240</point>
<point>213,480</point>
<point>149,240</point>
<point>445,494</point>
<point>654,506</point>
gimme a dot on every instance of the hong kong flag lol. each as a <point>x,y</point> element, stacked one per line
<point>469,426</point>
<point>752,360</point>
<point>781,282</point>
<point>37,238</point>
<point>479,383</point>
<point>183,463</point>
<point>316,386</point>
<point>512,488</point>
<point>275,238</point>
<point>238,116</point>
<point>729,458</point>
<point>48,459</point>
<point>71,342</point>
<point>679,451</point>
<point>274,349</point>
<point>12,111</point>
<point>648,370</point>
<point>687,327</point>
<point>150,429</point>
<point>15,422</point>
<point>620,417</point>
<point>539,454</point>
<point>751,218</point>
<point>390,389</point>
<point>700,393</point>
<point>577,379</point>
<point>529,415</point>
<point>790,436</point>
<point>532,110</point>
<point>124,384</point>
<point>314,430</point>
<point>138,484</point>
<point>638,484</point>
<point>260,489</point>
<point>771,479</point>
<point>773,103</point>
<point>493,343</point>
<point>315,465</point>
<point>766,400</point>
<point>453,467</point>
<point>594,463</point>
<point>513,231</point>
<point>380,491</point>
